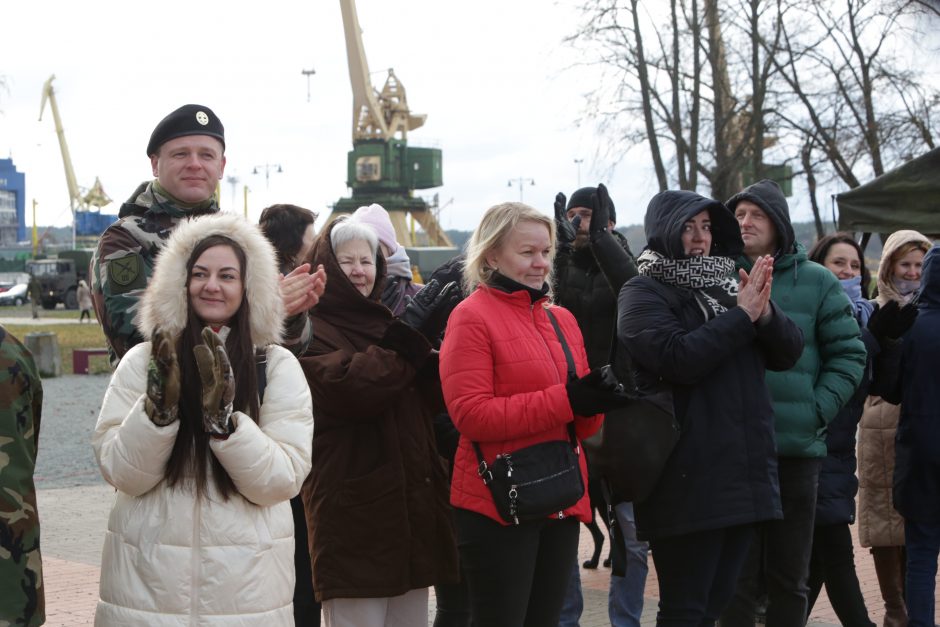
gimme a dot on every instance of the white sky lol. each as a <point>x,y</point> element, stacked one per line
<point>490,75</point>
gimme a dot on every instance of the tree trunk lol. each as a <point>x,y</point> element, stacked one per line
<point>806,155</point>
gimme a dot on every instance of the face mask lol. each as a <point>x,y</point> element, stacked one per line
<point>853,288</point>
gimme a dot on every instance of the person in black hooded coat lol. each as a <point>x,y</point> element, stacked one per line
<point>689,328</point>
<point>917,447</point>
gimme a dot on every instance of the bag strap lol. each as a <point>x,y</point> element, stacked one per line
<point>483,469</point>
<point>572,371</point>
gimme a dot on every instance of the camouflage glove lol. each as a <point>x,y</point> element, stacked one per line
<point>163,380</point>
<point>218,385</point>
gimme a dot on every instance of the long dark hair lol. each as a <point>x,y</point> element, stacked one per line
<point>821,248</point>
<point>191,450</point>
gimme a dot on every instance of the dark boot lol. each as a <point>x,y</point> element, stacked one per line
<point>890,566</point>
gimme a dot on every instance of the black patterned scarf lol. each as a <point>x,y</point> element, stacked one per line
<point>710,279</point>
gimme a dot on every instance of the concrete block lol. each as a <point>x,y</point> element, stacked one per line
<point>45,349</point>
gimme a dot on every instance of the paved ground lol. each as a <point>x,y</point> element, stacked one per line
<point>74,503</point>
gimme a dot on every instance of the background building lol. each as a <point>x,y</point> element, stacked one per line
<point>12,204</point>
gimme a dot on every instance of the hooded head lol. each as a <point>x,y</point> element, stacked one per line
<point>896,246</point>
<point>165,304</point>
<point>768,196</point>
<point>667,214</point>
<point>930,279</point>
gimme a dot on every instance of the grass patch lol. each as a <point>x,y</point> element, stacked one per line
<point>70,337</point>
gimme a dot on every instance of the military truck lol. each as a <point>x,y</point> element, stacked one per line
<point>58,277</point>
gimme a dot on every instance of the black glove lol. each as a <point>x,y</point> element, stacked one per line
<point>892,321</point>
<point>407,342</point>
<point>595,393</point>
<point>429,309</point>
<point>566,230</point>
<point>600,212</point>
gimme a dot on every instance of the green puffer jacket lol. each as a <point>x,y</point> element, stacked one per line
<point>810,394</point>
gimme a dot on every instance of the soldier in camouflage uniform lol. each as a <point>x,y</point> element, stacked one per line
<point>187,154</point>
<point>22,600</point>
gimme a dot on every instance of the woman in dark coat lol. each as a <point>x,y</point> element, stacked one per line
<point>917,447</point>
<point>376,500</point>
<point>690,329</point>
<point>832,561</point>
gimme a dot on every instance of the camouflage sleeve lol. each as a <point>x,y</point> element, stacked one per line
<point>120,272</point>
<point>22,601</point>
<point>298,331</point>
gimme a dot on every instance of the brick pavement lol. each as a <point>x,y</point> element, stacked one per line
<point>74,520</point>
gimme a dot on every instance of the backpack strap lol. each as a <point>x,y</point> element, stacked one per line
<point>261,364</point>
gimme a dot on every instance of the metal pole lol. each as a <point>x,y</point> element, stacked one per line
<point>578,162</point>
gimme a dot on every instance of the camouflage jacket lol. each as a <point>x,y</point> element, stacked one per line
<point>123,264</point>
<point>22,600</point>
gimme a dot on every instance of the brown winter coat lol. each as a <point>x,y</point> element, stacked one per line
<point>878,522</point>
<point>376,500</point>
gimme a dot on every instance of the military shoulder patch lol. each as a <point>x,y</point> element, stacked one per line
<point>126,273</point>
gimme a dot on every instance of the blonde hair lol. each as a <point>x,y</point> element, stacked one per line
<point>498,221</point>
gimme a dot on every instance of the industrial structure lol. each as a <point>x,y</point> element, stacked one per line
<point>382,168</point>
<point>87,220</point>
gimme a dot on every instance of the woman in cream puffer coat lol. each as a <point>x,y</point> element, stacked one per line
<point>209,540</point>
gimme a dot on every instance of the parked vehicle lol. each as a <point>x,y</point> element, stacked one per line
<point>59,277</point>
<point>15,295</point>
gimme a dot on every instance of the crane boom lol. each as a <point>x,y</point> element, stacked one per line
<point>375,115</point>
<point>48,94</point>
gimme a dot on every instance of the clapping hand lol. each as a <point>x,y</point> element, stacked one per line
<point>301,290</point>
<point>163,380</point>
<point>600,212</point>
<point>566,230</point>
<point>218,384</point>
<point>754,288</point>
<point>892,320</point>
<point>428,311</point>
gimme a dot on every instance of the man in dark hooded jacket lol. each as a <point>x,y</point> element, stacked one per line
<point>805,399</point>
<point>592,263</point>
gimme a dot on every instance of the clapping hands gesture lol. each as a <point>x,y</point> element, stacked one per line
<point>754,288</point>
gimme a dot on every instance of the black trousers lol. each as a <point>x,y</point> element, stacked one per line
<point>778,561</point>
<point>517,575</point>
<point>832,563</point>
<point>698,573</point>
<point>306,607</point>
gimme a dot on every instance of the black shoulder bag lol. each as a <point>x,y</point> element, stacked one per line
<point>537,481</point>
<point>635,441</point>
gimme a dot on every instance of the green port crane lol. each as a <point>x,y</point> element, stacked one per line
<point>382,168</point>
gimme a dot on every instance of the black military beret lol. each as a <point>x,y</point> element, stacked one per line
<point>582,198</point>
<point>189,119</point>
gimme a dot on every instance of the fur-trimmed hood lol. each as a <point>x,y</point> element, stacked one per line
<point>164,304</point>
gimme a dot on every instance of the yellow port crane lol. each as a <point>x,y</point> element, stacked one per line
<point>95,197</point>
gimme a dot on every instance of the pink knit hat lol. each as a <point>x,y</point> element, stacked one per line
<point>376,216</point>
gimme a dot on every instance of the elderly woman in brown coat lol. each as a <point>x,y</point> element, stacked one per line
<point>880,527</point>
<point>376,499</point>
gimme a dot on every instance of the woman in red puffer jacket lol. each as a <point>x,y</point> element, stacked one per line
<point>505,380</point>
